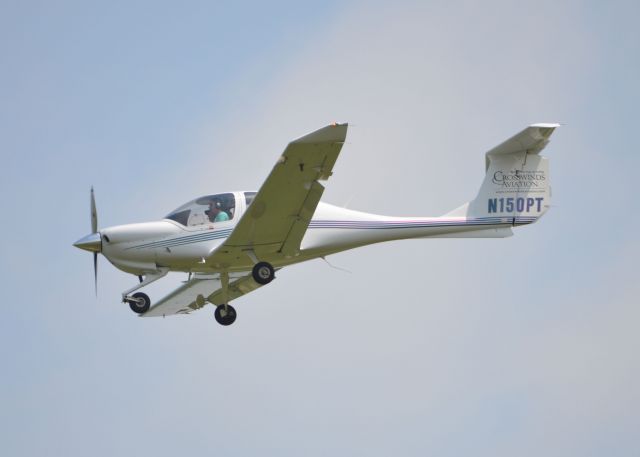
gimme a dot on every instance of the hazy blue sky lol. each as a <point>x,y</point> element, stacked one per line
<point>522,346</point>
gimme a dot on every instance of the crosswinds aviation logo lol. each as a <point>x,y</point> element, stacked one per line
<point>519,179</point>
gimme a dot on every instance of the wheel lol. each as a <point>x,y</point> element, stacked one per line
<point>140,304</point>
<point>225,317</point>
<point>263,273</point>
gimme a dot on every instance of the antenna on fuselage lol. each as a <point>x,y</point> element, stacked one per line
<point>336,268</point>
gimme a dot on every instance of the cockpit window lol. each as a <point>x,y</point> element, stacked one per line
<point>205,210</point>
<point>249,196</point>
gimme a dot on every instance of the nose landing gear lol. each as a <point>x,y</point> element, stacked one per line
<point>139,302</point>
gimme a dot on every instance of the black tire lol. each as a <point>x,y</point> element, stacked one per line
<point>141,306</point>
<point>263,273</point>
<point>225,318</point>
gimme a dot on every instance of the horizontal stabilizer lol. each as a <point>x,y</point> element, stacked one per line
<point>531,140</point>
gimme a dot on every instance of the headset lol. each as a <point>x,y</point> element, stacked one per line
<point>216,204</point>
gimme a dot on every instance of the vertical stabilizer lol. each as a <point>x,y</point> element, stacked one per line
<point>516,187</point>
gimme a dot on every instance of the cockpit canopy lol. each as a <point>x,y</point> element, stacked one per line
<point>205,210</point>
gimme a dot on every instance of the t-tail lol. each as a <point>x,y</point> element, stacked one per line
<point>516,189</point>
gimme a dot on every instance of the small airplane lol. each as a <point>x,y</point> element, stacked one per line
<point>233,243</point>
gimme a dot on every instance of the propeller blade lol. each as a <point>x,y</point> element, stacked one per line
<point>94,214</point>
<point>94,229</point>
<point>95,271</point>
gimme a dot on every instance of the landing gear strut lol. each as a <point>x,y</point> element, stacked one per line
<point>263,273</point>
<point>225,315</point>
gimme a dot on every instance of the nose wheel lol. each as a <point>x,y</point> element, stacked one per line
<point>263,273</point>
<point>139,302</point>
<point>225,314</point>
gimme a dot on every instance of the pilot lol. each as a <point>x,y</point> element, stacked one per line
<point>215,212</point>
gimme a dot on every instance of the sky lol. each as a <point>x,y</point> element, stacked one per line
<point>518,346</point>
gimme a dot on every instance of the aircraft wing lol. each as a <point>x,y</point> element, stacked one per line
<point>277,219</point>
<point>195,293</point>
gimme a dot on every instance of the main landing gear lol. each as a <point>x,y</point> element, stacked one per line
<point>225,314</point>
<point>263,273</point>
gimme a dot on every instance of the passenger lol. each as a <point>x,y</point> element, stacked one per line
<point>215,212</point>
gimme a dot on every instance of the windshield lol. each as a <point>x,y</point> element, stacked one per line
<point>205,210</point>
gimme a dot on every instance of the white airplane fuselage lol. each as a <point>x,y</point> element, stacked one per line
<point>145,247</point>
